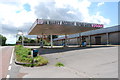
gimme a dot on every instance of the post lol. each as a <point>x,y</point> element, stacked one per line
<point>107,34</point>
<point>68,42</point>
<point>65,45</point>
<point>20,33</point>
<point>41,42</point>
<point>32,58</point>
<point>80,40</point>
<point>16,39</point>
<point>51,40</point>
<point>89,40</point>
<point>22,40</point>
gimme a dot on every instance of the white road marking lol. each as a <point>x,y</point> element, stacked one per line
<point>12,56</point>
<point>8,76</point>
<point>9,68</point>
<point>3,47</point>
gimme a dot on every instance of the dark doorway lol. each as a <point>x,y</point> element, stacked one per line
<point>98,40</point>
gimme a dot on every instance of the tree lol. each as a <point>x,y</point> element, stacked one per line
<point>32,41</point>
<point>26,40</point>
<point>53,37</point>
<point>2,40</point>
<point>20,38</point>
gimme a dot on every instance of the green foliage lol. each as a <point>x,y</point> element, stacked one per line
<point>46,43</point>
<point>23,55</point>
<point>20,38</point>
<point>39,61</point>
<point>32,41</point>
<point>59,64</point>
<point>21,51</point>
<point>53,36</point>
<point>27,40</point>
<point>2,40</point>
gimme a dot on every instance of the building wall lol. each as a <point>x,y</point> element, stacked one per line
<point>104,39</point>
<point>92,39</point>
<point>113,39</point>
<point>55,42</point>
<point>73,41</point>
<point>87,40</point>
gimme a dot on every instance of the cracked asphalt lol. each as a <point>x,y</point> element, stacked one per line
<point>96,62</point>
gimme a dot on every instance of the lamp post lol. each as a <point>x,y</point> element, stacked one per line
<point>21,34</point>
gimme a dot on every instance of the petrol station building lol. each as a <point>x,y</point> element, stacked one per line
<point>104,36</point>
<point>59,27</point>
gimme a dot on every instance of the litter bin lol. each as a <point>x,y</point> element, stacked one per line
<point>35,52</point>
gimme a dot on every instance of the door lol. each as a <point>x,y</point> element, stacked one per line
<point>98,40</point>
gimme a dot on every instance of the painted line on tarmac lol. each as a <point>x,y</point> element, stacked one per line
<point>3,47</point>
<point>8,76</point>
<point>9,68</point>
<point>12,56</point>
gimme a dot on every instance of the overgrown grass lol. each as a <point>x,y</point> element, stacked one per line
<point>39,61</point>
<point>23,55</point>
<point>59,64</point>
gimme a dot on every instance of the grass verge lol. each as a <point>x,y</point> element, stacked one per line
<point>23,55</point>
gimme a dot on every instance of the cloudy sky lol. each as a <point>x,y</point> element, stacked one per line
<point>20,14</point>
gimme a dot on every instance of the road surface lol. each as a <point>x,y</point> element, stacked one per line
<point>98,62</point>
<point>5,56</point>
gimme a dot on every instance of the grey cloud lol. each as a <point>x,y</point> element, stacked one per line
<point>44,10</point>
<point>48,9</point>
<point>10,29</point>
<point>26,27</point>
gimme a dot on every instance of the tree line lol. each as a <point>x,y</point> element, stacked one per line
<point>2,40</point>
<point>46,41</point>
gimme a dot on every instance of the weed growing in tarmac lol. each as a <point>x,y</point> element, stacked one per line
<point>59,64</point>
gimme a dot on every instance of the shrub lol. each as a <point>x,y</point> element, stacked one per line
<point>23,55</point>
<point>59,64</point>
<point>39,61</point>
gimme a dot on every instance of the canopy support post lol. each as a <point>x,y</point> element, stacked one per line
<point>65,44</point>
<point>51,41</point>
<point>107,34</point>
<point>89,40</point>
<point>41,43</point>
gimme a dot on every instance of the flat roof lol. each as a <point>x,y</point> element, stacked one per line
<point>59,27</point>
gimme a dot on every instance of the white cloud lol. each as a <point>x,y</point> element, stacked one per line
<point>11,21</point>
<point>53,9</point>
<point>10,38</point>
<point>10,16</point>
<point>97,18</point>
<point>100,4</point>
<point>71,12</point>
